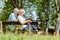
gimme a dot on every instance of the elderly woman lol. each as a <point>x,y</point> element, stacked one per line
<point>23,21</point>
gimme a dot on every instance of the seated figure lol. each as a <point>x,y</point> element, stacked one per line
<point>13,18</point>
<point>23,21</point>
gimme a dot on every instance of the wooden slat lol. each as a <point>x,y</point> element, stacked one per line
<point>8,23</point>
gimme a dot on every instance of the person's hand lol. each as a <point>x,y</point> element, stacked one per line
<point>29,21</point>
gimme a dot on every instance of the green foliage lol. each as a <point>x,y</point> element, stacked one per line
<point>9,6</point>
<point>6,11</point>
<point>45,9</point>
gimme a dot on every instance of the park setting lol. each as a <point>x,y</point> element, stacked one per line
<point>29,19</point>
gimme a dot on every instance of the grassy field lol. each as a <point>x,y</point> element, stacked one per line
<point>12,36</point>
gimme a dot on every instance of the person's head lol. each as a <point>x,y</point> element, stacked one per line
<point>16,10</point>
<point>21,12</point>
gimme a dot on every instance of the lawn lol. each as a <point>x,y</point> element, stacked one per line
<point>12,36</point>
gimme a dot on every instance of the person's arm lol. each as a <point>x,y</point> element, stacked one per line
<point>23,21</point>
<point>14,19</point>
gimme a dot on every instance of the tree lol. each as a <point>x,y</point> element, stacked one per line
<point>9,6</point>
<point>47,12</point>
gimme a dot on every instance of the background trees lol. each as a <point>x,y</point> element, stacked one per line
<point>46,10</point>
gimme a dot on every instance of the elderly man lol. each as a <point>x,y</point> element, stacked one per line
<point>23,21</point>
<point>13,18</point>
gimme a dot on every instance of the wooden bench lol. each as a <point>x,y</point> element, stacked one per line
<point>3,24</point>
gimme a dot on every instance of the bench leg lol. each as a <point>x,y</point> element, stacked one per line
<point>1,26</point>
<point>57,31</point>
<point>46,30</point>
<point>29,26</point>
<point>57,27</point>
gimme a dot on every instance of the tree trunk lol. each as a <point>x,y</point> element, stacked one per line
<point>22,4</point>
<point>15,3</point>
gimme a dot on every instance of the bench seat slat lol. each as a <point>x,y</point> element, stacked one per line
<point>8,23</point>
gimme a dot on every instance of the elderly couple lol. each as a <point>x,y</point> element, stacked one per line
<point>17,16</point>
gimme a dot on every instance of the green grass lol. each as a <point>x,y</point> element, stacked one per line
<point>12,36</point>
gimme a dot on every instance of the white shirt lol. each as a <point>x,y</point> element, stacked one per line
<point>20,19</point>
